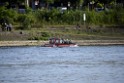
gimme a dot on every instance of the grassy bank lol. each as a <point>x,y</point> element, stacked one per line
<point>67,32</point>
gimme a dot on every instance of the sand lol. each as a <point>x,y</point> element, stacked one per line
<point>79,42</point>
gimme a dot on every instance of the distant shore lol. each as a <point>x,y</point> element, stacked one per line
<point>79,42</point>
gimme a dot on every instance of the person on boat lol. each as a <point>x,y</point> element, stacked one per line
<point>70,42</point>
<point>66,41</point>
<point>63,41</point>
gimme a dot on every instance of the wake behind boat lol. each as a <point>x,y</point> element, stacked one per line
<point>59,42</point>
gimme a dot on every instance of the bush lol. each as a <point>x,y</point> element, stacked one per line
<point>54,16</point>
<point>8,15</point>
<point>45,34</point>
<point>26,20</point>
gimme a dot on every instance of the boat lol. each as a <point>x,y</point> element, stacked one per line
<point>60,42</point>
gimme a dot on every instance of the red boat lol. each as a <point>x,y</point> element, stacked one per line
<point>59,42</point>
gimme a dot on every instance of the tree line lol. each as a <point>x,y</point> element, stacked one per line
<point>71,3</point>
<point>41,17</point>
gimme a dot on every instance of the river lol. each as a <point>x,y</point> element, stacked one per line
<point>85,64</point>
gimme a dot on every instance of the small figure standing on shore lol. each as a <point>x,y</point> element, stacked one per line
<point>9,27</point>
<point>77,26</point>
<point>4,26</point>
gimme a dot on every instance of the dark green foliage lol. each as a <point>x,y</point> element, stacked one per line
<point>74,17</point>
<point>45,34</point>
<point>39,17</point>
<point>8,15</point>
<point>26,20</point>
<point>40,36</point>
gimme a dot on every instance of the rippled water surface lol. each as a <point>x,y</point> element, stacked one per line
<point>86,64</point>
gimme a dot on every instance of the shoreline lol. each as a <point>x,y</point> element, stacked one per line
<point>79,42</point>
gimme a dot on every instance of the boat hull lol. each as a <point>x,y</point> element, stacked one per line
<point>60,45</point>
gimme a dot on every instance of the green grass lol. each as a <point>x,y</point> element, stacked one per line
<point>65,31</point>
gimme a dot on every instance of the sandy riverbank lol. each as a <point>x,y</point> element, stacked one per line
<point>79,42</point>
<point>22,43</point>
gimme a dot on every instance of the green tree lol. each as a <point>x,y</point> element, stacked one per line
<point>106,2</point>
<point>79,2</point>
<point>48,2</point>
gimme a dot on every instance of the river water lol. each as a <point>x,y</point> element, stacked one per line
<point>85,64</point>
